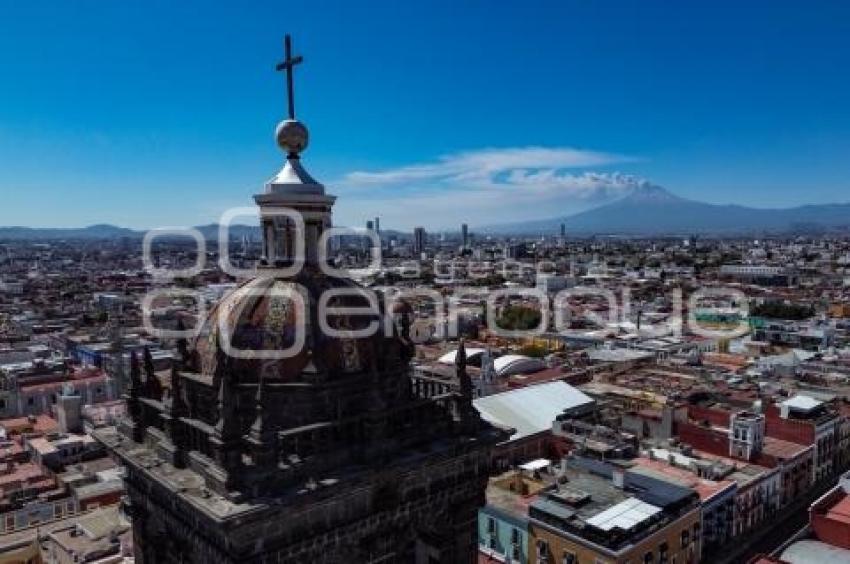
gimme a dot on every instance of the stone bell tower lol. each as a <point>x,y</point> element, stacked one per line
<point>330,454</point>
<point>287,237</point>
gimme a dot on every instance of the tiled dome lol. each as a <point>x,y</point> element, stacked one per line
<point>259,317</point>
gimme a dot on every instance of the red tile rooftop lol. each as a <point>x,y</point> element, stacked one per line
<point>751,469</point>
<point>725,359</point>
<point>84,374</point>
<point>778,448</point>
<point>706,489</point>
<point>10,450</point>
<point>25,473</point>
<point>840,511</point>
<point>545,375</point>
<point>17,425</point>
<point>57,384</point>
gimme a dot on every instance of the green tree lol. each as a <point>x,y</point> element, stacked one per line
<point>534,351</point>
<point>519,318</point>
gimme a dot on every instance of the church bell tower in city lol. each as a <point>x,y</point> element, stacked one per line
<point>334,453</point>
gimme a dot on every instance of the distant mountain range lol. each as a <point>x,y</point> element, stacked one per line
<point>652,210</point>
<point>648,210</point>
<point>105,231</point>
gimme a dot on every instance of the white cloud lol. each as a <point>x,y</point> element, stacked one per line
<point>486,162</point>
<point>484,187</point>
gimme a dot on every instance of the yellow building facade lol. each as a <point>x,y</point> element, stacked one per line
<point>676,543</point>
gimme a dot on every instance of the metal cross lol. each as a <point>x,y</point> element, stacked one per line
<point>288,65</point>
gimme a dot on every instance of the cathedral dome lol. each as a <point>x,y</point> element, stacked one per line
<point>264,316</point>
<point>272,326</point>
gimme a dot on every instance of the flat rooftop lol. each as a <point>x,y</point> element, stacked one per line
<point>581,497</point>
<point>706,489</point>
<point>840,511</point>
<point>784,450</point>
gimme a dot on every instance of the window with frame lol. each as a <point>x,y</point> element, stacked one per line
<point>686,538</point>
<point>648,558</point>
<point>662,552</point>
<point>542,550</point>
<point>491,525</point>
<point>569,558</point>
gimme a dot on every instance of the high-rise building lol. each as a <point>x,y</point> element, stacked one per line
<point>365,243</point>
<point>464,235</point>
<point>563,230</point>
<point>419,240</point>
<point>378,232</point>
<point>266,447</point>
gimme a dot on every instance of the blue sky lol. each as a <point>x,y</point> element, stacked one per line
<point>162,113</point>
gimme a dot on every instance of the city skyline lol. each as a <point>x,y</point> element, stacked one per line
<point>484,117</point>
<point>550,343</point>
